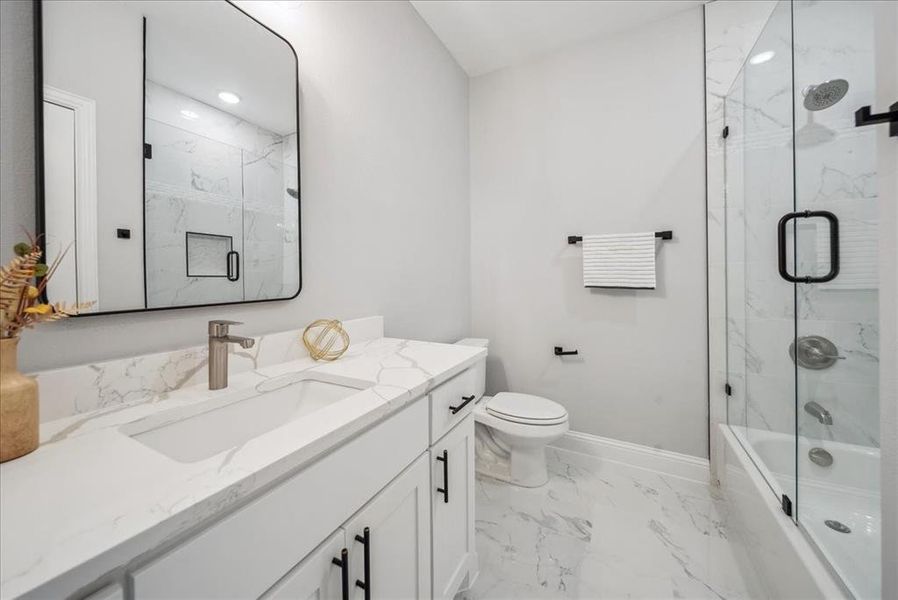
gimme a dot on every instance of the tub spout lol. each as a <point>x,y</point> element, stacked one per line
<point>818,412</point>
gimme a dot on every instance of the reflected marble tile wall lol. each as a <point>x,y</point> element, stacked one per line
<point>217,174</point>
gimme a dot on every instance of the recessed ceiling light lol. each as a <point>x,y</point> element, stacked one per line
<point>229,97</point>
<point>762,57</point>
<point>189,115</point>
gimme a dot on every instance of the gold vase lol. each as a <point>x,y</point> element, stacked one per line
<point>18,405</point>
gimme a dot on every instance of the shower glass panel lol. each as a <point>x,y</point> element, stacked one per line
<point>760,305</point>
<point>802,217</point>
<point>836,45</point>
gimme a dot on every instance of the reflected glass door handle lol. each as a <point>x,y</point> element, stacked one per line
<point>233,258</point>
<point>833,246</point>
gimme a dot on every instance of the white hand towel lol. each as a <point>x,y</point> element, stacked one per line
<point>619,260</point>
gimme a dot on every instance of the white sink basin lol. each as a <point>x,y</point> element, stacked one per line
<point>201,431</point>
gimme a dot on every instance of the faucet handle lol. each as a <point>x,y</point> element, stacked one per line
<point>219,327</point>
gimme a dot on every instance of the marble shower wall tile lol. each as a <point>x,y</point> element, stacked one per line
<point>119,383</point>
<point>750,186</point>
<point>731,29</point>
<point>165,105</point>
<point>836,170</point>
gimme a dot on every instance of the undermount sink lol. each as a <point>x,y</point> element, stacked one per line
<point>201,431</point>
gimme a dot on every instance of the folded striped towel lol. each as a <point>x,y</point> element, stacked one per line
<point>619,260</point>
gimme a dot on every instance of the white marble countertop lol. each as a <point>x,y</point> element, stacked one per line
<point>91,498</point>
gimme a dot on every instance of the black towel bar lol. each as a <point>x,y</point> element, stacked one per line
<point>664,235</point>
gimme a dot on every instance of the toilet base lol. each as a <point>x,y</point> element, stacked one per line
<point>528,467</point>
<point>522,465</point>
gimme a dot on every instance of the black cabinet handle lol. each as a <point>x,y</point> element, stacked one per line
<point>233,258</point>
<point>445,489</point>
<point>833,246</point>
<point>343,563</point>
<point>467,400</point>
<point>559,351</point>
<point>365,540</point>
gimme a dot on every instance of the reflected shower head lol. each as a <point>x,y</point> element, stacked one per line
<point>824,95</point>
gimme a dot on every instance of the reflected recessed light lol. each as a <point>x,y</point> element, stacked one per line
<point>762,57</point>
<point>189,115</point>
<point>229,97</point>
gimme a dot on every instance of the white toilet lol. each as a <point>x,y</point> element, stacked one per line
<point>513,431</point>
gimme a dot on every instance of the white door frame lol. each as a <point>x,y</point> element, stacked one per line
<point>86,253</point>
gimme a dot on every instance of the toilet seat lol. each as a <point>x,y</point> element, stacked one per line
<point>526,409</point>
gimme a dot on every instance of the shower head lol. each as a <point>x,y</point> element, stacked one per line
<point>823,95</point>
<point>294,193</point>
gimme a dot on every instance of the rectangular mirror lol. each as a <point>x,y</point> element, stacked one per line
<point>170,154</point>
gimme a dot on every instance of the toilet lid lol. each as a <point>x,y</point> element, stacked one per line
<point>525,408</point>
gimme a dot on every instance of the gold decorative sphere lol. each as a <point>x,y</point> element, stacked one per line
<point>325,339</point>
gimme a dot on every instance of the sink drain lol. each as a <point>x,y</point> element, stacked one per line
<point>837,526</point>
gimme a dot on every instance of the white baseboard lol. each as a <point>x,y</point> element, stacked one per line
<point>644,457</point>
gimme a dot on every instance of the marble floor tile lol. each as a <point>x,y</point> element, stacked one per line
<point>601,529</point>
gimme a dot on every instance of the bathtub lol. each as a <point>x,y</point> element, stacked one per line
<point>846,491</point>
<point>787,561</point>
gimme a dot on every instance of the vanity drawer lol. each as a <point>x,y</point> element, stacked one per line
<point>455,393</point>
<point>244,554</point>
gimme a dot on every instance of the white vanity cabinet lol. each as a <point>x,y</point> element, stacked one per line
<point>389,539</point>
<point>391,511</point>
<point>452,480</point>
<point>251,549</point>
<point>452,510</point>
<point>318,576</point>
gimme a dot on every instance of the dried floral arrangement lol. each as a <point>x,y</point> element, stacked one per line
<point>22,283</point>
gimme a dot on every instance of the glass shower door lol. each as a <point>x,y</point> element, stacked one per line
<point>841,51</point>
<point>761,305</point>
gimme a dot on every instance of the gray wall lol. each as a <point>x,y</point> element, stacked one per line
<point>384,161</point>
<point>583,142</point>
<point>16,124</point>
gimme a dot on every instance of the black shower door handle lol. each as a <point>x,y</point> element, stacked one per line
<point>833,246</point>
<point>233,259</point>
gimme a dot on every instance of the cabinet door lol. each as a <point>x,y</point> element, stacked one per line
<point>398,539</point>
<point>317,577</point>
<point>452,495</point>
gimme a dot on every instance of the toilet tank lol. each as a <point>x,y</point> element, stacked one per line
<point>480,367</point>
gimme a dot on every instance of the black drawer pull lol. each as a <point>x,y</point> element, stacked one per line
<point>365,540</point>
<point>343,563</point>
<point>445,489</point>
<point>467,400</point>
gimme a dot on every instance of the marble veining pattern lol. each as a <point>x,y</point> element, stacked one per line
<point>601,529</point>
<point>116,383</point>
<point>750,185</point>
<point>94,498</point>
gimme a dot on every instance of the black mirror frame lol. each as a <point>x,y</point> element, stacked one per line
<point>39,192</point>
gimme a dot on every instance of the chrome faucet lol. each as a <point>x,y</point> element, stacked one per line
<point>818,412</point>
<point>219,338</point>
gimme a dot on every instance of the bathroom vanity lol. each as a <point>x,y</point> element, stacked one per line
<point>347,479</point>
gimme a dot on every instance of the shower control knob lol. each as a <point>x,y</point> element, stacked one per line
<point>814,352</point>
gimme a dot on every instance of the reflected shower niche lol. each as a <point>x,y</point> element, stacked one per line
<point>179,137</point>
